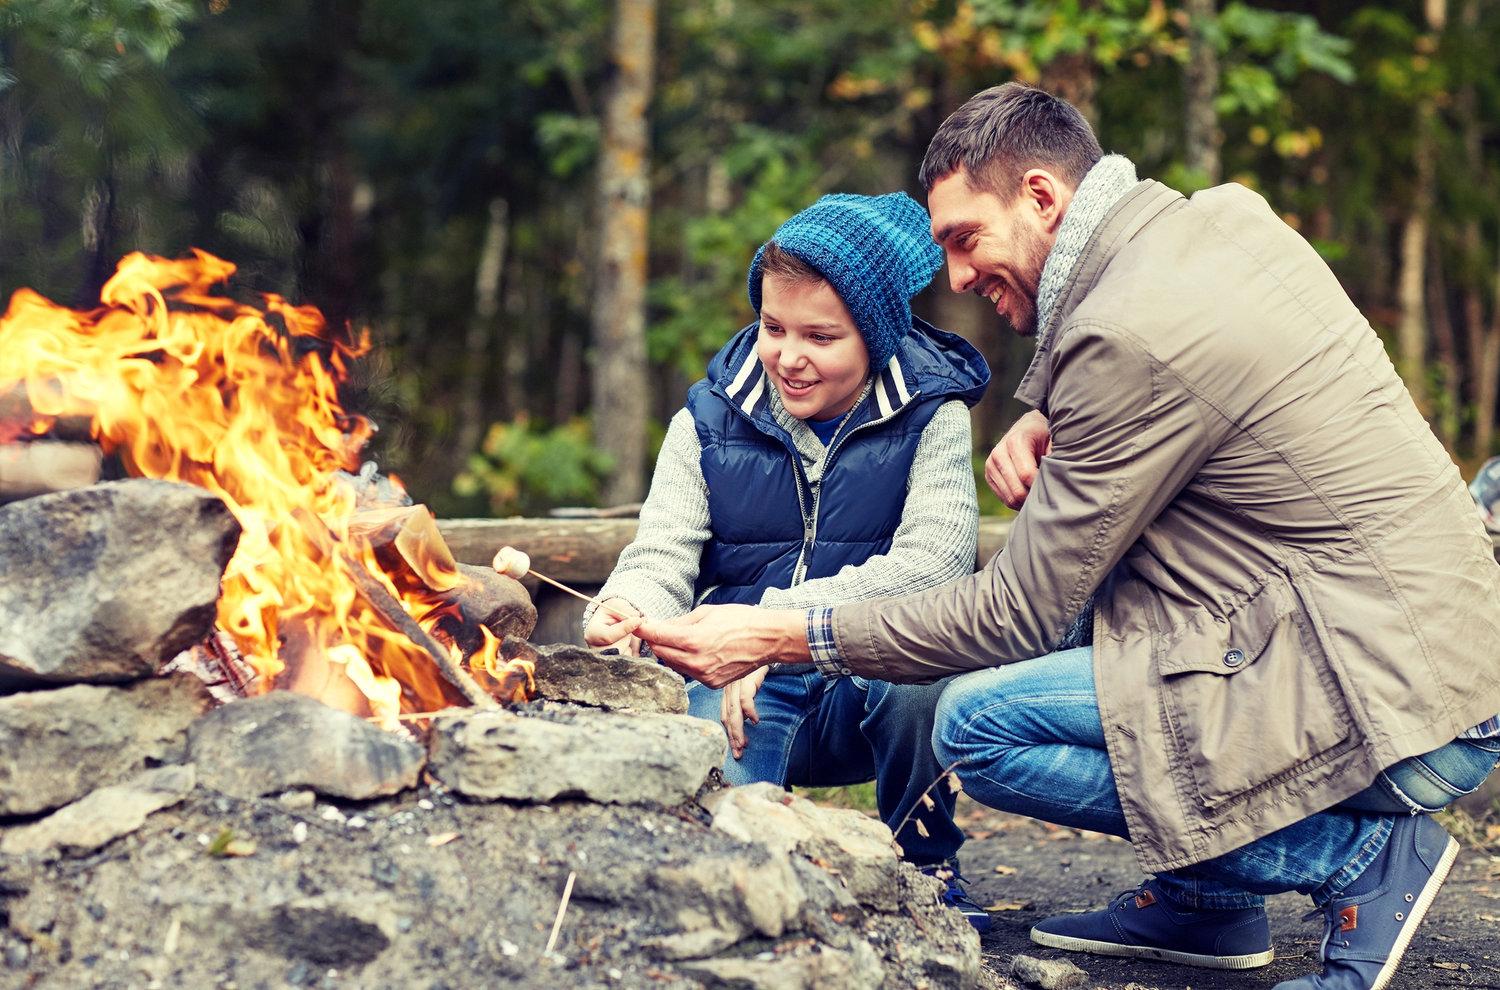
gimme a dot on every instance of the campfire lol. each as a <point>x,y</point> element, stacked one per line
<point>339,588</point>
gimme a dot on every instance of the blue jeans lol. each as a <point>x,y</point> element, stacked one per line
<point>819,733</point>
<point>1028,739</point>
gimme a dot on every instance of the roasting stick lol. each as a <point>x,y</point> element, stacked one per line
<point>515,563</point>
<point>579,595</point>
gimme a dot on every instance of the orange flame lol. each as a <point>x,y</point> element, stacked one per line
<point>188,385</point>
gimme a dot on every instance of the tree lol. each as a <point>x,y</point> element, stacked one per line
<point>619,306</point>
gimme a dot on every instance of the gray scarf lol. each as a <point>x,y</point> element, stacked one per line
<point>1111,177</point>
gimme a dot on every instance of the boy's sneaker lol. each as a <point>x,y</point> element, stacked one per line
<point>1370,924</point>
<point>1143,923</point>
<point>956,897</point>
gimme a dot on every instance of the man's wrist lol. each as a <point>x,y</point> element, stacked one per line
<point>822,649</point>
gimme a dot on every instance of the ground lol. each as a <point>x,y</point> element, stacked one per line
<point>1024,870</point>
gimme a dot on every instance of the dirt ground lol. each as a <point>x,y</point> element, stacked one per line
<point>1024,870</point>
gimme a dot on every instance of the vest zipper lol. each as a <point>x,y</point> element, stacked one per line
<point>810,522</point>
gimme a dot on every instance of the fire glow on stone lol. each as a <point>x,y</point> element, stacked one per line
<point>186,384</point>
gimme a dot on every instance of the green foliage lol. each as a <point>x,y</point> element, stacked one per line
<point>524,467</point>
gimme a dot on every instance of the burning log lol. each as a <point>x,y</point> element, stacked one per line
<point>386,604</point>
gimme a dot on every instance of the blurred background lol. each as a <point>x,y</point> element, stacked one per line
<point>542,210</point>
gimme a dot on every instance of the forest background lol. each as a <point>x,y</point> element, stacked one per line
<point>543,209</point>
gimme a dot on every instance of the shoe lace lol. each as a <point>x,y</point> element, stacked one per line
<point>1128,895</point>
<point>1331,923</point>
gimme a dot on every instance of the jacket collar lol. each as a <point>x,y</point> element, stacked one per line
<point>1137,208</point>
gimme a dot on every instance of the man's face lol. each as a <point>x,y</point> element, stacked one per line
<point>995,248</point>
<point>810,348</point>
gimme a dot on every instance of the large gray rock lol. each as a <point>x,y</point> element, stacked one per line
<point>602,756</point>
<point>102,584</point>
<point>56,746</point>
<point>608,680</point>
<point>102,816</point>
<point>282,741</point>
<point>855,847</point>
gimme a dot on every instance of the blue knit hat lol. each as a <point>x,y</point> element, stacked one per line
<point>876,252</point>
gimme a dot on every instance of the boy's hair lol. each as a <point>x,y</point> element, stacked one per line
<point>780,263</point>
<point>1004,131</point>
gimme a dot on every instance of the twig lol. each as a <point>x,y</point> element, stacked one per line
<point>896,832</point>
<point>581,596</point>
<point>561,907</point>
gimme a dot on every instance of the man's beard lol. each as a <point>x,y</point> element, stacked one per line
<point>1031,250</point>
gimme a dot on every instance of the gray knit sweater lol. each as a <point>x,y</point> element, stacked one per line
<point>935,542</point>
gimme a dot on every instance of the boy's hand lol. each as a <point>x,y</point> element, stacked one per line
<point>1012,465</point>
<point>610,630</point>
<point>717,644</point>
<point>737,704</point>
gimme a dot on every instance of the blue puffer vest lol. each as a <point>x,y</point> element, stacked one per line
<point>771,528</point>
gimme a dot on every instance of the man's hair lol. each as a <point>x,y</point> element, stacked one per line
<point>783,264</point>
<point>1004,131</point>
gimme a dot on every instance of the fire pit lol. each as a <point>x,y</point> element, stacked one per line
<point>257,727</point>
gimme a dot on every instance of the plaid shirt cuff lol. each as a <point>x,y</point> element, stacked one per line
<point>825,653</point>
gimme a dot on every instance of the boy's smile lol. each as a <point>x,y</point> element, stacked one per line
<point>810,348</point>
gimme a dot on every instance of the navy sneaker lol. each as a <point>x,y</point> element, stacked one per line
<point>1143,923</point>
<point>1371,922</point>
<point>956,897</point>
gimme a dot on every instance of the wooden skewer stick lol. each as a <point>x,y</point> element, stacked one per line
<point>580,595</point>
<point>561,907</point>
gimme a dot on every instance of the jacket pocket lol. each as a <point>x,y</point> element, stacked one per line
<point>1249,699</point>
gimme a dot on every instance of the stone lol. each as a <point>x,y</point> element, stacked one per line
<point>58,745</point>
<point>856,968</point>
<point>1049,974</point>
<point>855,847</point>
<point>495,601</point>
<point>286,741</point>
<point>601,756</point>
<point>102,816</point>
<point>103,584</point>
<point>608,680</point>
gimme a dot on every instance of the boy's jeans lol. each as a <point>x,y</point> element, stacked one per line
<point>819,733</point>
<point>1028,740</point>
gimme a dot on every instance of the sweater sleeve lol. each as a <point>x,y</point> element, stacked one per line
<point>938,537</point>
<point>656,573</point>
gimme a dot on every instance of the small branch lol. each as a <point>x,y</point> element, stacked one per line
<point>921,800</point>
<point>561,907</point>
<point>580,595</point>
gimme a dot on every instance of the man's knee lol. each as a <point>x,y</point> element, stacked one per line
<point>954,711</point>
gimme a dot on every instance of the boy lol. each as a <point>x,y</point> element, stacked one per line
<point>825,458</point>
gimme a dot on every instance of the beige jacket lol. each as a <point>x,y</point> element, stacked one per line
<point>1295,589</point>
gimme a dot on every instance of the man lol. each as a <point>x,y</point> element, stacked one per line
<point>1296,618</point>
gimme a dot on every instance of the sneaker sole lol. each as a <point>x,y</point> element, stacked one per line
<point>1071,944</point>
<point>1418,912</point>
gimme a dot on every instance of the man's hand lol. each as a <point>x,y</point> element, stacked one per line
<point>737,704</point>
<point>716,644</point>
<point>1012,465</point>
<point>605,629</point>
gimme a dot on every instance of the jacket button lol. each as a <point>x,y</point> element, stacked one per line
<point>1233,658</point>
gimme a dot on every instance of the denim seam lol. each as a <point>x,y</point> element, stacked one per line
<point>964,734</point>
<point>1351,871</point>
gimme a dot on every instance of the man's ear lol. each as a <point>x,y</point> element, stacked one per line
<point>1046,195</point>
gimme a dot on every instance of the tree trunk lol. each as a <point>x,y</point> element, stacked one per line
<point>1483,337</point>
<point>1201,88</point>
<point>1446,415</point>
<point>1071,77</point>
<point>1411,330</point>
<point>619,317</point>
<point>477,357</point>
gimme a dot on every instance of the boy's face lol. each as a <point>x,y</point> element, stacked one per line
<point>810,348</point>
